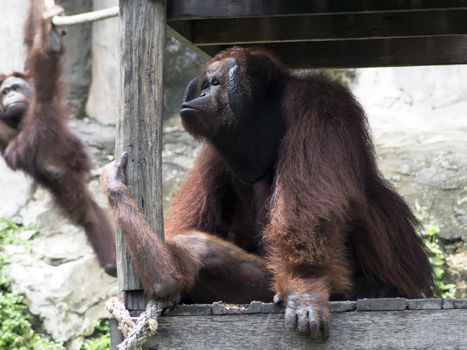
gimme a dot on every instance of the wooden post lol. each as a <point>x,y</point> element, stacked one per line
<point>139,127</point>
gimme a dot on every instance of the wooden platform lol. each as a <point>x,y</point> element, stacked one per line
<point>304,34</point>
<point>364,324</point>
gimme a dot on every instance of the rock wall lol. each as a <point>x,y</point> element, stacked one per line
<point>414,99</point>
<point>11,29</point>
<point>56,270</point>
<point>77,74</point>
<point>419,120</point>
<point>14,187</point>
<point>77,65</point>
<point>77,68</point>
<point>102,103</point>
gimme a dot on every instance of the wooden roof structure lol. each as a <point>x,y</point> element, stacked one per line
<point>304,34</point>
<point>323,33</point>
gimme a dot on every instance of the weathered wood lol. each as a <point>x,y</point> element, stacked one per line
<point>182,32</point>
<point>365,305</point>
<point>219,308</point>
<point>371,53</point>
<point>454,303</point>
<point>202,9</point>
<point>409,329</point>
<point>192,310</point>
<point>139,127</point>
<point>382,304</point>
<point>425,304</point>
<point>115,334</point>
<point>328,34</point>
<point>343,306</point>
<point>271,308</point>
<point>135,301</point>
<point>327,27</point>
<point>260,325</point>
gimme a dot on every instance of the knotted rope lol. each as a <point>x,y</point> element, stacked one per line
<point>145,327</point>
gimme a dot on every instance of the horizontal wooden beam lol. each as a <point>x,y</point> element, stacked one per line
<point>438,50</point>
<point>201,9</point>
<point>365,324</point>
<point>182,31</point>
<point>327,27</point>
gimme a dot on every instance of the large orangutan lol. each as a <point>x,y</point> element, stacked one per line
<point>284,198</point>
<point>35,138</point>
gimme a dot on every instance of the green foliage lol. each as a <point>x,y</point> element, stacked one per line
<point>8,234</point>
<point>8,231</point>
<point>437,257</point>
<point>100,340</point>
<point>438,260</point>
<point>16,331</point>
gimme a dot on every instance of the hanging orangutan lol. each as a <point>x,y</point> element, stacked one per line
<point>35,138</point>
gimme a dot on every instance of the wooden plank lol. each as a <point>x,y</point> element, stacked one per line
<point>425,304</point>
<point>182,31</point>
<point>409,329</point>
<point>139,126</point>
<point>455,304</point>
<point>371,53</point>
<point>326,27</point>
<point>135,301</point>
<point>115,334</point>
<point>361,305</point>
<point>378,318</point>
<point>202,9</point>
<point>382,304</point>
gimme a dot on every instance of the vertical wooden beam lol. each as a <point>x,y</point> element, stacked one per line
<point>116,336</point>
<point>139,126</point>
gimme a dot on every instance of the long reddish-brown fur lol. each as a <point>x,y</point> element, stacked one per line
<point>327,174</point>
<point>45,148</point>
<point>321,223</point>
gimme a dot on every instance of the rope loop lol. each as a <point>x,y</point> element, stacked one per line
<point>136,333</point>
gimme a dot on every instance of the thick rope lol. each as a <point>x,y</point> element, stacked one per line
<point>145,327</point>
<point>86,17</point>
<point>82,18</point>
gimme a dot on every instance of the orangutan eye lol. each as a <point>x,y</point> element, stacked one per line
<point>205,85</point>
<point>215,82</point>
